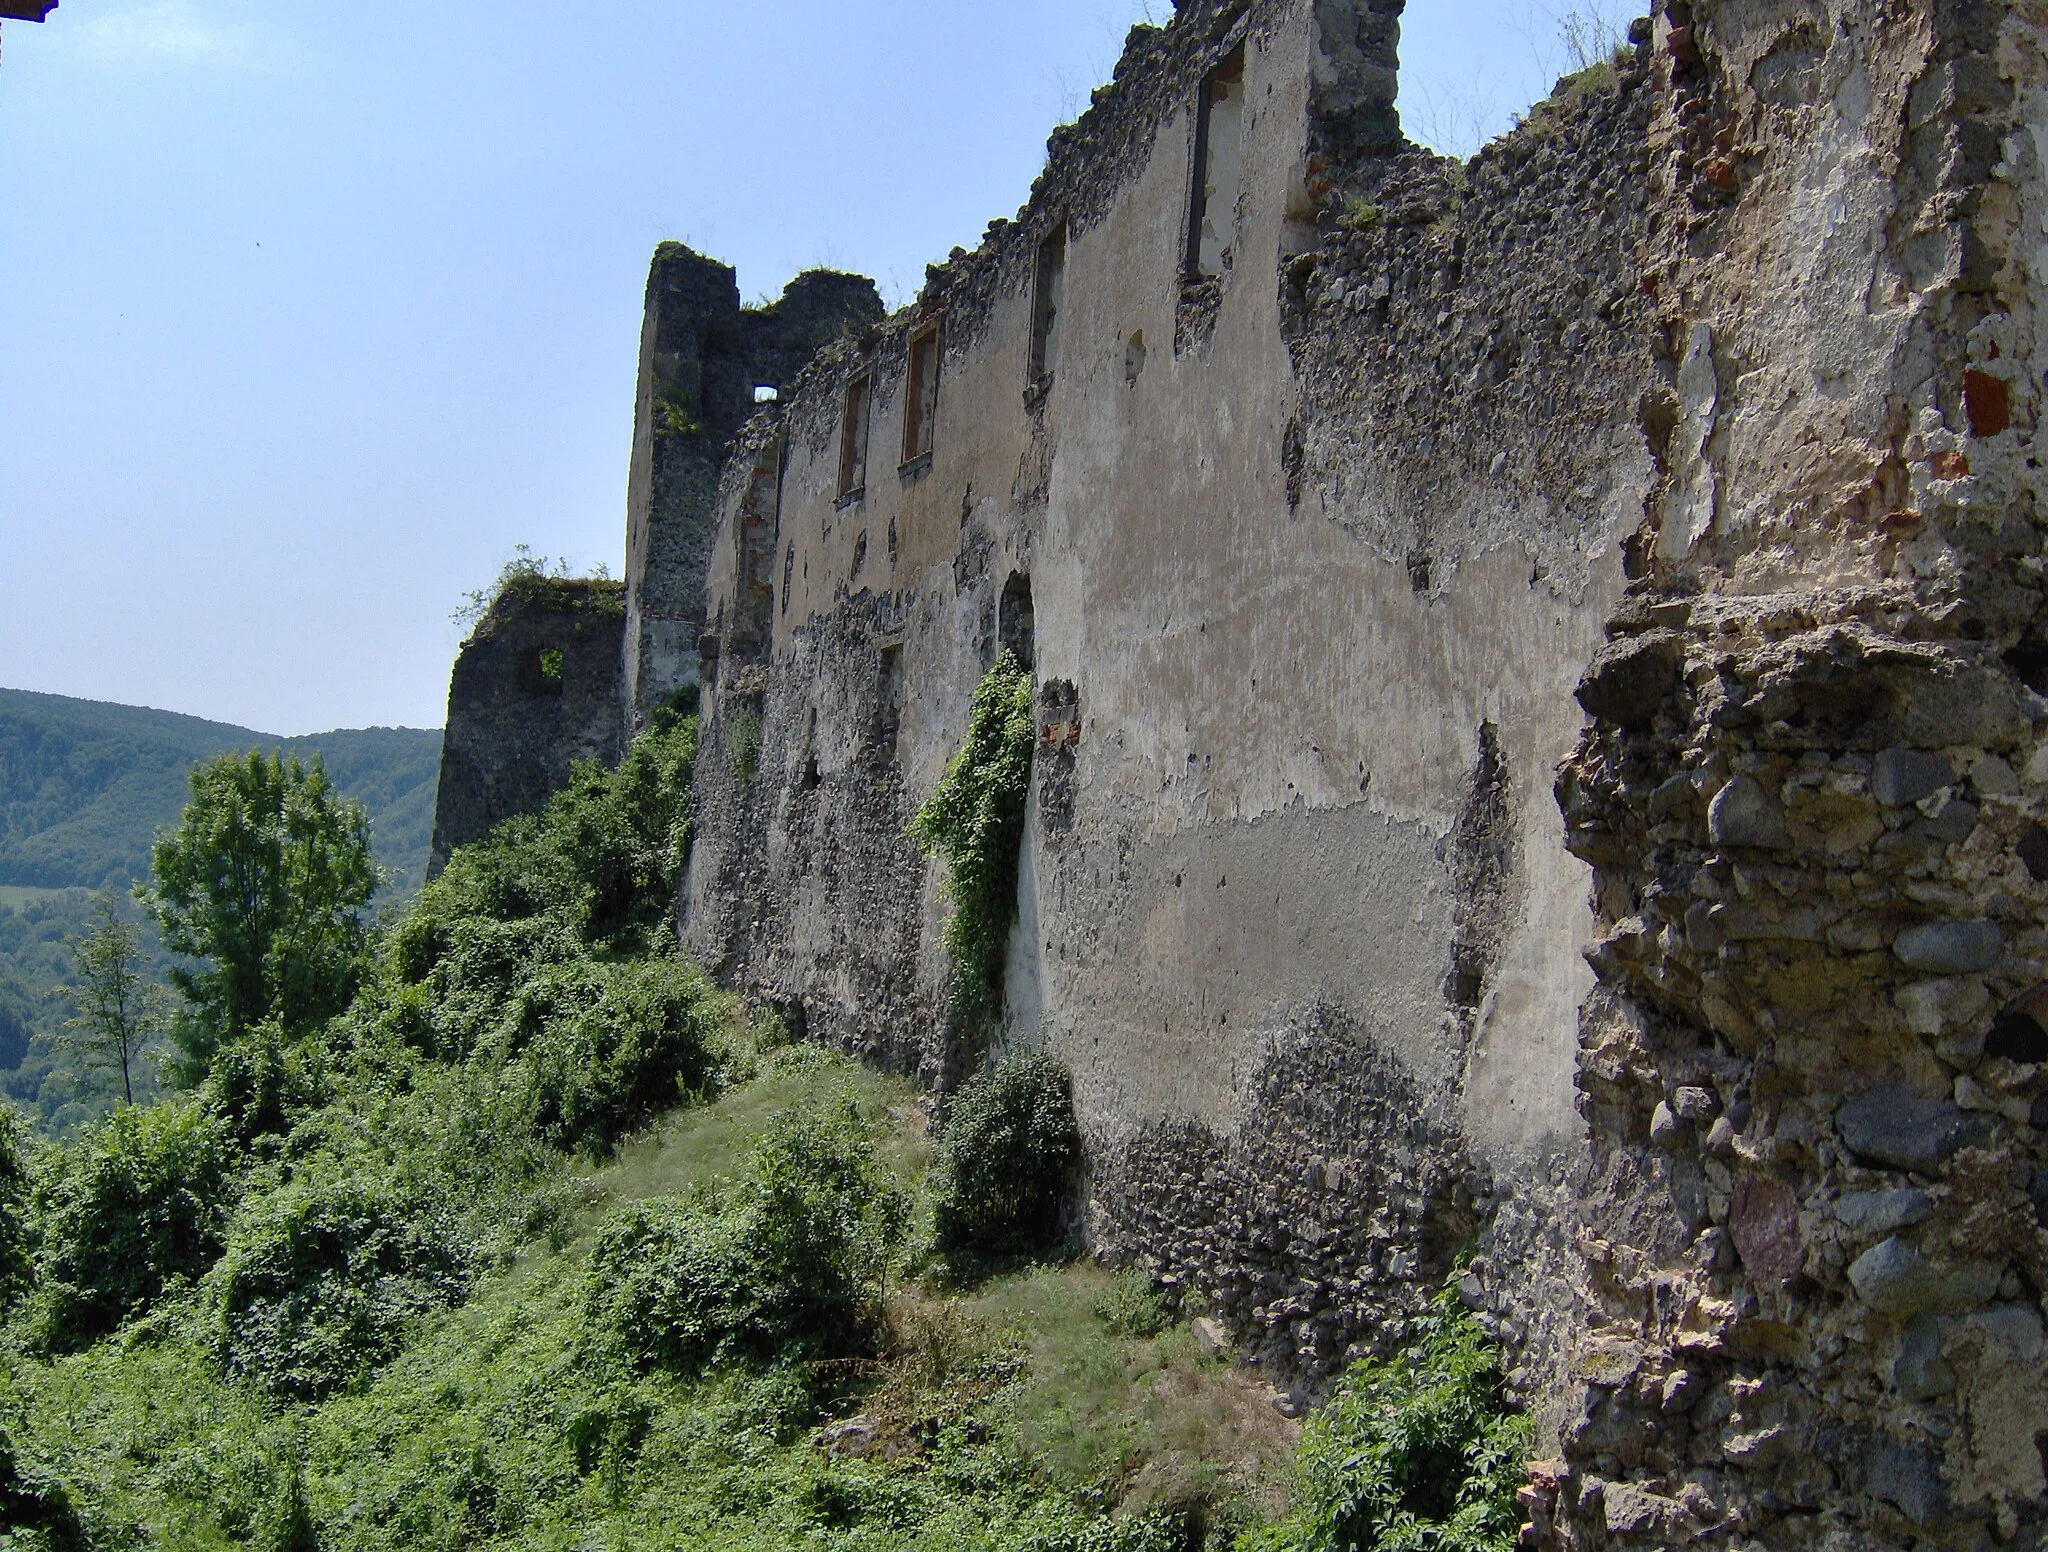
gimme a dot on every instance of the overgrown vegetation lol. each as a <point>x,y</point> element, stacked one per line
<point>1419,1454</point>
<point>540,1242</point>
<point>1005,1162</point>
<point>975,820</point>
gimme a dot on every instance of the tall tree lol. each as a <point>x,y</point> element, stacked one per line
<point>119,1007</point>
<point>264,880</point>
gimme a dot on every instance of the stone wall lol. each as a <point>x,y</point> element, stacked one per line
<point>536,688</point>
<point>1296,908</point>
<point>1810,792</point>
<point>1540,666</point>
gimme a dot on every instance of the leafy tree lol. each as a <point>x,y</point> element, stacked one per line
<point>784,1261</point>
<point>119,1007</point>
<point>975,819</point>
<point>321,1277</point>
<point>263,879</point>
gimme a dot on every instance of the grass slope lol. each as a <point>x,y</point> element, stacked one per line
<point>1006,1418</point>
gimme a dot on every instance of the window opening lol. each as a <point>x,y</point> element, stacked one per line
<point>921,400</point>
<point>541,670</point>
<point>788,575</point>
<point>765,393</point>
<point>853,439</point>
<point>1016,628</point>
<point>1218,169</point>
<point>889,693</point>
<point>1045,308</point>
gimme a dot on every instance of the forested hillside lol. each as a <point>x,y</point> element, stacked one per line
<point>85,785</point>
<point>84,788</point>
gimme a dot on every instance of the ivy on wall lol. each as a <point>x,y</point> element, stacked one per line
<point>975,820</point>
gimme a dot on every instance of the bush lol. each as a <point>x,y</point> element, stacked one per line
<point>1418,1454</point>
<point>784,1262</point>
<point>601,1047</point>
<point>139,1199</point>
<point>975,819</point>
<point>1003,1164</point>
<point>320,1278</point>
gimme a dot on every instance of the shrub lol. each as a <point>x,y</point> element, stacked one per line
<point>1418,1454</point>
<point>602,1046</point>
<point>138,1200</point>
<point>320,1278</point>
<point>784,1261</point>
<point>260,1083</point>
<point>1003,1163</point>
<point>975,820</point>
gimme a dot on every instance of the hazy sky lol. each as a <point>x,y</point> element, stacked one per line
<point>310,310</point>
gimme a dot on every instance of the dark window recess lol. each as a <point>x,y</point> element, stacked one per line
<point>811,777</point>
<point>921,398</point>
<point>853,439</point>
<point>889,699</point>
<point>1046,297</point>
<point>1218,171</point>
<point>1016,630</point>
<point>892,541</point>
<point>860,554</point>
<point>788,575</point>
<point>541,670</point>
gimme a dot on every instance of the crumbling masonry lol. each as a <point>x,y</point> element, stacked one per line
<point>1543,775</point>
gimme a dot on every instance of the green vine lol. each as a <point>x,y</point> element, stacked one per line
<point>975,820</point>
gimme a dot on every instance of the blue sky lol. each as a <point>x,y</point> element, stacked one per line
<point>310,310</point>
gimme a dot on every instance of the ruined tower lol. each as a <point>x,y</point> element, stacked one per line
<point>704,359</point>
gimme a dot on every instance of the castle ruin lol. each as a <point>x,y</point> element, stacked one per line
<point>1540,664</point>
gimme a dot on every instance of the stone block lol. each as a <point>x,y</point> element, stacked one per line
<point>1629,679</point>
<point>1950,947</point>
<point>1743,814</point>
<point>1895,1126</point>
<point>1903,776</point>
<point>1894,1278</point>
<point>1874,1213</point>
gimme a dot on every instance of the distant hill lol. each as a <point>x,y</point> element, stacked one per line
<point>85,786</point>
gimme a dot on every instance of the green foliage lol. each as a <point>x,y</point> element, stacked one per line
<point>597,1047</point>
<point>1418,1454</point>
<point>975,820</point>
<point>1010,1144</point>
<point>139,1199</point>
<point>785,1261</point>
<point>35,1516</point>
<point>1134,1306</point>
<point>16,1178</point>
<point>743,742</point>
<point>84,786</point>
<point>321,1277</point>
<point>1360,214</point>
<point>262,880</point>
